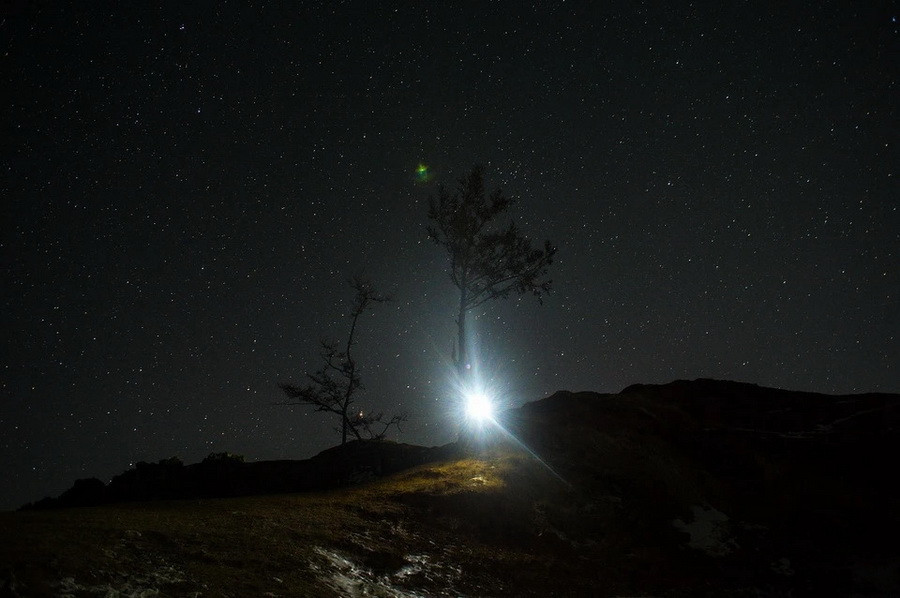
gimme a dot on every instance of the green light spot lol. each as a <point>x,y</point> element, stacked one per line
<point>422,173</point>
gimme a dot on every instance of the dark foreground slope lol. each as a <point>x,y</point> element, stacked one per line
<point>687,489</point>
<point>782,492</point>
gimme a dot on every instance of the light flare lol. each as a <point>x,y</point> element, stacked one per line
<point>479,407</point>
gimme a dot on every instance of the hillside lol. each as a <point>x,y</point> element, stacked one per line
<point>226,475</point>
<point>700,488</point>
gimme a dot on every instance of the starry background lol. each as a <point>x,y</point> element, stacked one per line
<point>187,189</point>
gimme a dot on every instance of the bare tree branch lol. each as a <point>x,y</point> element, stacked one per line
<point>333,387</point>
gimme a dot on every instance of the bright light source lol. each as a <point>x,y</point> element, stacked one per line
<point>479,407</point>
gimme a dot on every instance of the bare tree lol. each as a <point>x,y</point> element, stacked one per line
<point>375,426</point>
<point>487,261</point>
<point>333,387</point>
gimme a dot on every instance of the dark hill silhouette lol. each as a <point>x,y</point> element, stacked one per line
<point>775,479</point>
<point>744,436</point>
<point>700,487</point>
<point>226,475</point>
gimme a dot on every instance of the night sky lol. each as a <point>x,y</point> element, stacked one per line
<point>187,190</point>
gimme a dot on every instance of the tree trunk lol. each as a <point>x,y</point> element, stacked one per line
<point>462,352</point>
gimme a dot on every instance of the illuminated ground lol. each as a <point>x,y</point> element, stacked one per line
<point>447,529</point>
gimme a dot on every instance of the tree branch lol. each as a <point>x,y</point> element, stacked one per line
<point>333,387</point>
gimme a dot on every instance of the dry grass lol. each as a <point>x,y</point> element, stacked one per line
<point>466,526</point>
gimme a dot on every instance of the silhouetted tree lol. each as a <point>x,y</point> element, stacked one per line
<point>487,260</point>
<point>333,387</point>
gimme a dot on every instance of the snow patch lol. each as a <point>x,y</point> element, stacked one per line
<point>355,581</point>
<point>134,586</point>
<point>352,580</point>
<point>709,530</point>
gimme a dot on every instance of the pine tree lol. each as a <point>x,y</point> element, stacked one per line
<point>487,260</point>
